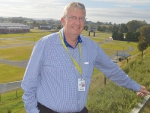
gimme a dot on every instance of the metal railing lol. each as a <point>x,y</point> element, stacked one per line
<point>10,86</point>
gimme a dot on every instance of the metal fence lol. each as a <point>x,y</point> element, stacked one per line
<point>10,86</point>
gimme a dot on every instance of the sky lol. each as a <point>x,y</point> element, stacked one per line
<point>114,11</point>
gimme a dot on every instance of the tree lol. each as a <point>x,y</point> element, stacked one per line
<point>115,28</point>
<point>120,36</point>
<point>142,45</point>
<point>132,36</point>
<point>145,34</point>
<point>123,28</point>
<point>104,28</point>
<point>117,36</point>
<point>114,35</point>
<point>128,36</point>
<point>16,19</point>
<point>135,36</point>
<point>110,28</point>
<point>134,25</point>
<point>99,28</point>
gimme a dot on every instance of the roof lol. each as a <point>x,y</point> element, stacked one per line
<point>12,25</point>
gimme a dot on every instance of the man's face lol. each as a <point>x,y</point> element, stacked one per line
<point>73,22</point>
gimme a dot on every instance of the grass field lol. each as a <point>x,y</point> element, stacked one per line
<point>16,53</point>
<point>10,103</point>
<point>10,73</point>
<point>19,47</point>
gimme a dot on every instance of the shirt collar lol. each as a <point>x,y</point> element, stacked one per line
<point>68,45</point>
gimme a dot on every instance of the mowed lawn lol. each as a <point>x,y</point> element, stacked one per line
<point>19,47</point>
<point>10,73</point>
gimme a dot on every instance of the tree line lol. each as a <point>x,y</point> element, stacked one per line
<point>132,31</point>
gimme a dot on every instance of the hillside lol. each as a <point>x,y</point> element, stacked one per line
<point>111,98</point>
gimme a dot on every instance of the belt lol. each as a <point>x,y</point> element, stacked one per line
<point>44,109</point>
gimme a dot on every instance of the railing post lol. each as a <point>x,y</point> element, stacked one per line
<point>89,33</point>
<point>16,94</point>
<point>0,98</point>
<point>94,34</point>
<point>104,80</point>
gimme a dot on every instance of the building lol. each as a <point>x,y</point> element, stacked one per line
<point>46,27</point>
<point>6,28</point>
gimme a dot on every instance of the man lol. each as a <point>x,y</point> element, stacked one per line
<point>59,72</point>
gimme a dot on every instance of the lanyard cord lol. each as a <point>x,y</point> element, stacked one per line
<point>79,68</point>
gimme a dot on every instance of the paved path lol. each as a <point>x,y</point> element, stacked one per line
<point>21,64</point>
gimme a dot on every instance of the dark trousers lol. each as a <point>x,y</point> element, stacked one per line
<point>44,109</point>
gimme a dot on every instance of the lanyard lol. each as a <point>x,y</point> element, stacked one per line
<point>79,68</point>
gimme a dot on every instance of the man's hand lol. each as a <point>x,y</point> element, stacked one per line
<point>143,91</point>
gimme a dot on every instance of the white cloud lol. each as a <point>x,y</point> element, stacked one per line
<point>54,8</point>
<point>117,15</point>
<point>131,2</point>
<point>32,8</point>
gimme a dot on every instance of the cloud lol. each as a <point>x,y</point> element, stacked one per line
<point>117,15</point>
<point>123,13</point>
<point>131,2</point>
<point>32,8</point>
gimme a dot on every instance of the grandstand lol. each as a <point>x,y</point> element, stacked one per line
<point>6,28</point>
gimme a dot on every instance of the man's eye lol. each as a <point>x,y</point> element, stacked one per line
<point>81,18</point>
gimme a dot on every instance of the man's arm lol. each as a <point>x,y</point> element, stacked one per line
<point>31,78</point>
<point>117,75</point>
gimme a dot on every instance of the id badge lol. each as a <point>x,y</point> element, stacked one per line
<point>81,84</point>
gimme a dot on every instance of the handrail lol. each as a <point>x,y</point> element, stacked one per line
<point>10,86</point>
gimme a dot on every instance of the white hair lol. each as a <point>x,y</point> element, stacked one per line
<point>73,5</point>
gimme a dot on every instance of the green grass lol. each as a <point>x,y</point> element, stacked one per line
<point>16,53</point>
<point>32,33</point>
<point>101,35</point>
<point>5,42</point>
<point>114,46</point>
<point>109,51</point>
<point>10,73</point>
<point>115,99</point>
<point>102,98</point>
<point>97,39</point>
<point>12,103</point>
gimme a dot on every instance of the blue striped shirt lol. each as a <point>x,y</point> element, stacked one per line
<point>52,79</point>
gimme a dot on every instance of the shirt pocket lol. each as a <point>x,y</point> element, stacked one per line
<point>57,67</point>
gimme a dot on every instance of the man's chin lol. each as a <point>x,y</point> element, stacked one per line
<point>76,33</point>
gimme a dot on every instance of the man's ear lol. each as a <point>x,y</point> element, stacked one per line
<point>62,21</point>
